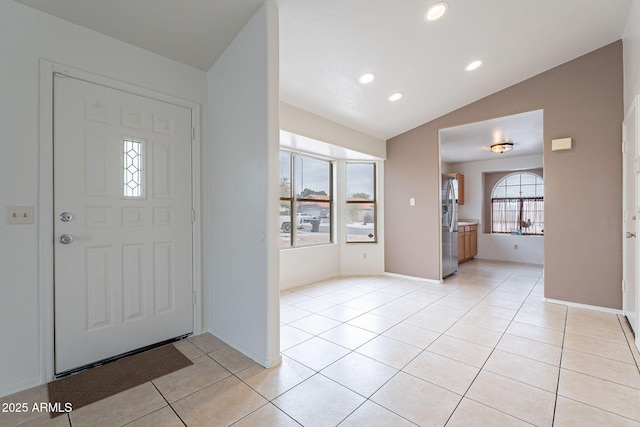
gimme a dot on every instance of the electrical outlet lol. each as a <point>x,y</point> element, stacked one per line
<point>515,247</point>
<point>364,255</point>
<point>19,215</point>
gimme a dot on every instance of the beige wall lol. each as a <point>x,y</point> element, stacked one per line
<point>582,99</point>
<point>631,41</point>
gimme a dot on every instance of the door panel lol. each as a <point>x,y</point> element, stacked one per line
<point>631,186</point>
<point>122,170</point>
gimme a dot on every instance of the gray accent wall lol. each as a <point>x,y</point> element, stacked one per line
<point>582,99</point>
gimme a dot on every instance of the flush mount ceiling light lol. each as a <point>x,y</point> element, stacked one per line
<point>502,147</point>
<point>474,65</point>
<point>395,96</point>
<point>367,78</point>
<point>436,11</point>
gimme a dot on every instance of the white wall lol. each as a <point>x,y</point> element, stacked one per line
<point>631,46</point>
<point>242,191</point>
<point>27,37</point>
<point>299,266</point>
<point>491,246</point>
<point>301,122</point>
<point>305,265</point>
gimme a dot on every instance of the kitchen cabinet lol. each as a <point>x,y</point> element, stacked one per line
<point>467,242</point>
<point>459,187</point>
<point>474,240</point>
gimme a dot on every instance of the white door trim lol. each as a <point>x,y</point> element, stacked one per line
<point>634,115</point>
<point>45,200</point>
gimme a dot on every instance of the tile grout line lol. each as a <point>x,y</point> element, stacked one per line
<point>168,404</point>
<point>426,349</point>
<point>630,344</point>
<point>564,337</point>
<point>590,375</point>
<point>441,333</point>
<point>351,351</point>
<point>378,334</point>
<point>493,349</point>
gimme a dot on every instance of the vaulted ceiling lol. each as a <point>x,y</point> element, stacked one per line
<point>326,45</point>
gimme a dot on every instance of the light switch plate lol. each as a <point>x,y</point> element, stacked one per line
<point>20,215</point>
<point>412,201</point>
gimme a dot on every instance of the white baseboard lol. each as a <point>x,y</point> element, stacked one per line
<point>309,281</point>
<point>585,306</point>
<point>419,279</point>
<point>19,386</point>
<point>267,363</point>
<point>329,277</point>
<point>362,273</point>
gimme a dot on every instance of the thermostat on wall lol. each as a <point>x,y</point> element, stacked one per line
<point>561,144</point>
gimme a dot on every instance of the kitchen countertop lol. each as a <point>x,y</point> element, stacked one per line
<point>467,222</point>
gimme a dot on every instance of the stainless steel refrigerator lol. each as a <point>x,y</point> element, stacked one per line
<point>449,226</point>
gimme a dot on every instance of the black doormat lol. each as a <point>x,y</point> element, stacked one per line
<point>81,389</point>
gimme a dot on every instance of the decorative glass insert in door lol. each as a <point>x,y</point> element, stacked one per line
<point>133,169</point>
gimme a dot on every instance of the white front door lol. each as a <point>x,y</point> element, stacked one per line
<point>630,188</point>
<point>122,222</point>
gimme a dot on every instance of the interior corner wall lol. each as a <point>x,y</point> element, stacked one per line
<point>241,240</point>
<point>631,42</point>
<point>582,99</point>
<point>27,37</point>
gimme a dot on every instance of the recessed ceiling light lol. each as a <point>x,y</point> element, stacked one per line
<point>367,78</point>
<point>436,11</point>
<point>474,65</point>
<point>395,96</point>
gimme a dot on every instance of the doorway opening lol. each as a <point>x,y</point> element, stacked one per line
<point>466,153</point>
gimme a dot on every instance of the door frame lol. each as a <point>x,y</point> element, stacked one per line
<point>629,190</point>
<point>632,113</point>
<point>45,200</point>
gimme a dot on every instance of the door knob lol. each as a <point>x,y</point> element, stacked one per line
<point>630,235</point>
<point>65,217</point>
<point>65,239</point>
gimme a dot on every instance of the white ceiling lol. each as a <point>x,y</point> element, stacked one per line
<point>472,142</point>
<point>325,45</point>
<point>194,32</point>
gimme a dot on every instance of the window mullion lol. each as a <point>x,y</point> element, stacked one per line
<point>311,199</point>
<point>521,210</point>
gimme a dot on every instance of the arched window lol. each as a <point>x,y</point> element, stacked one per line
<point>517,205</point>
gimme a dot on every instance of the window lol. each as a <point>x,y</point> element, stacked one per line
<point>133,169</point>
<point>517,205</point>
<point>306,200</point>
<point>361,202</point>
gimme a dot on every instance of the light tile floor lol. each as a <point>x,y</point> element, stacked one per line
<point>481,349</point>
